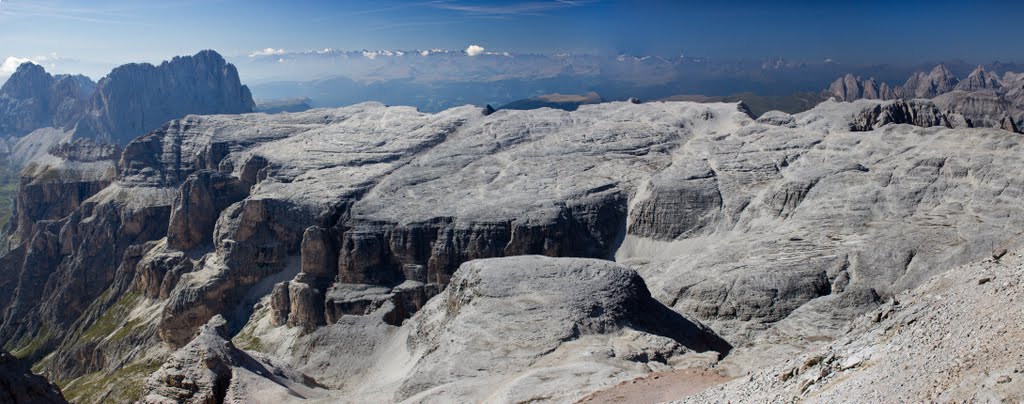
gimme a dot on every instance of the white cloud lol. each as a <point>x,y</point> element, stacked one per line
<point>11,64</point>
<point>474,50</point>
<point>267,52</point>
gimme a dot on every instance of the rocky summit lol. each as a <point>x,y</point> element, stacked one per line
<point>131,100</point>
<point>982,99</point>
<point>382,254</point>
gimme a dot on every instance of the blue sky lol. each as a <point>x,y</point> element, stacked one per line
<point>93,36</point>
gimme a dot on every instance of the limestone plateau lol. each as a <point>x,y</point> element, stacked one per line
<point>380,254</point>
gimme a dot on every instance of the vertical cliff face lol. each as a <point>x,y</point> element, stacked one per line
<point>130,101</point>
<point>136,98</point>
<point>32,99</point>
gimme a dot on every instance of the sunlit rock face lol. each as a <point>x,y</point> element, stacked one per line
<point>324,234</point>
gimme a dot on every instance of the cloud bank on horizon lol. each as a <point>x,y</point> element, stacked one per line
<point>474,50</point>
<point>93,35</point>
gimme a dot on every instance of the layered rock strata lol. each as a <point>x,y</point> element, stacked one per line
<point>306,229</point>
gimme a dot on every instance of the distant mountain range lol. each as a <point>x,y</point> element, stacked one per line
<point>984,98</point>
<point>434,80</point>
<point>42,114</point>
<point>130,101</point>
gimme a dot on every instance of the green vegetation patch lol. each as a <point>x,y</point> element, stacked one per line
<point>29,347</point>
<point>112,322</point>
<point>248,341</point>
<point>9,179</point>
<point>123,385</point>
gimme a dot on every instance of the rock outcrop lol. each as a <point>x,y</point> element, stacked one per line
<point>979,79</point>
<point>927,85</point>
<point>137,98</point>
<point>212,370</point>
<point>488,335</point>
<point>19,386</point>
<point>951,340</point>
<point>850,88</point>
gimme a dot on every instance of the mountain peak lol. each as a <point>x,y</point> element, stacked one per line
<point>28,80</point>
<point>979,79</point>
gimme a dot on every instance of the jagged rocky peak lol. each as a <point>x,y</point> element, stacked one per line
<point>850,88</point>
<point>210,369</point>
<point>846,88</point>
<point>136,98</point>
<point>979,79</point>
<point>130,101</point>
<point>980,100</point>
<point>939,81</point>
<point>28,81</point>
<point>32,98</point>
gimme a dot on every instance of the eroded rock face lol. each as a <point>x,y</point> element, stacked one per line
<point>982,99</point>
<point>19,386</point>
<point>137,98</point>
<point>54,186</point>
<point>979,79</point>
<point>913,112</point>
<point>212,370</point>
<point>311,223</point>
<point>489,334</point>
<point>917,331</point>
<point>851,88</point>
<point>32,99</point>
<point>44,111</point>
<point>927,85</point>
<point>191,223</point>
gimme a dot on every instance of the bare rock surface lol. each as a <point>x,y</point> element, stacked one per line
<point>130,101</point>
<point>489,333</point>
<point>508,330</point>
<point>18,385</point>
<point>32,98</point>
<point>211,370</point>
<point>982,99</point>
<point>322,236</point>
<point>953,339</point>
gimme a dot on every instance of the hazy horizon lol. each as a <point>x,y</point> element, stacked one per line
<point>71,37</point>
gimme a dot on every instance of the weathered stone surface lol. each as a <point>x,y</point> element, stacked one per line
<point>360,215</point>
<point>979,79</point>
<point>19,386</point>
<point>191,223</point>
<point>33,99</point>
<point>57,184</point>
<point>913,112</point>
<point>210,369</point>
<point>952,339</point>
<point>319,253</point>
<point>927,85</point>
<point>499,318</point>
<point>852,88</point>
<point>980,100</point>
